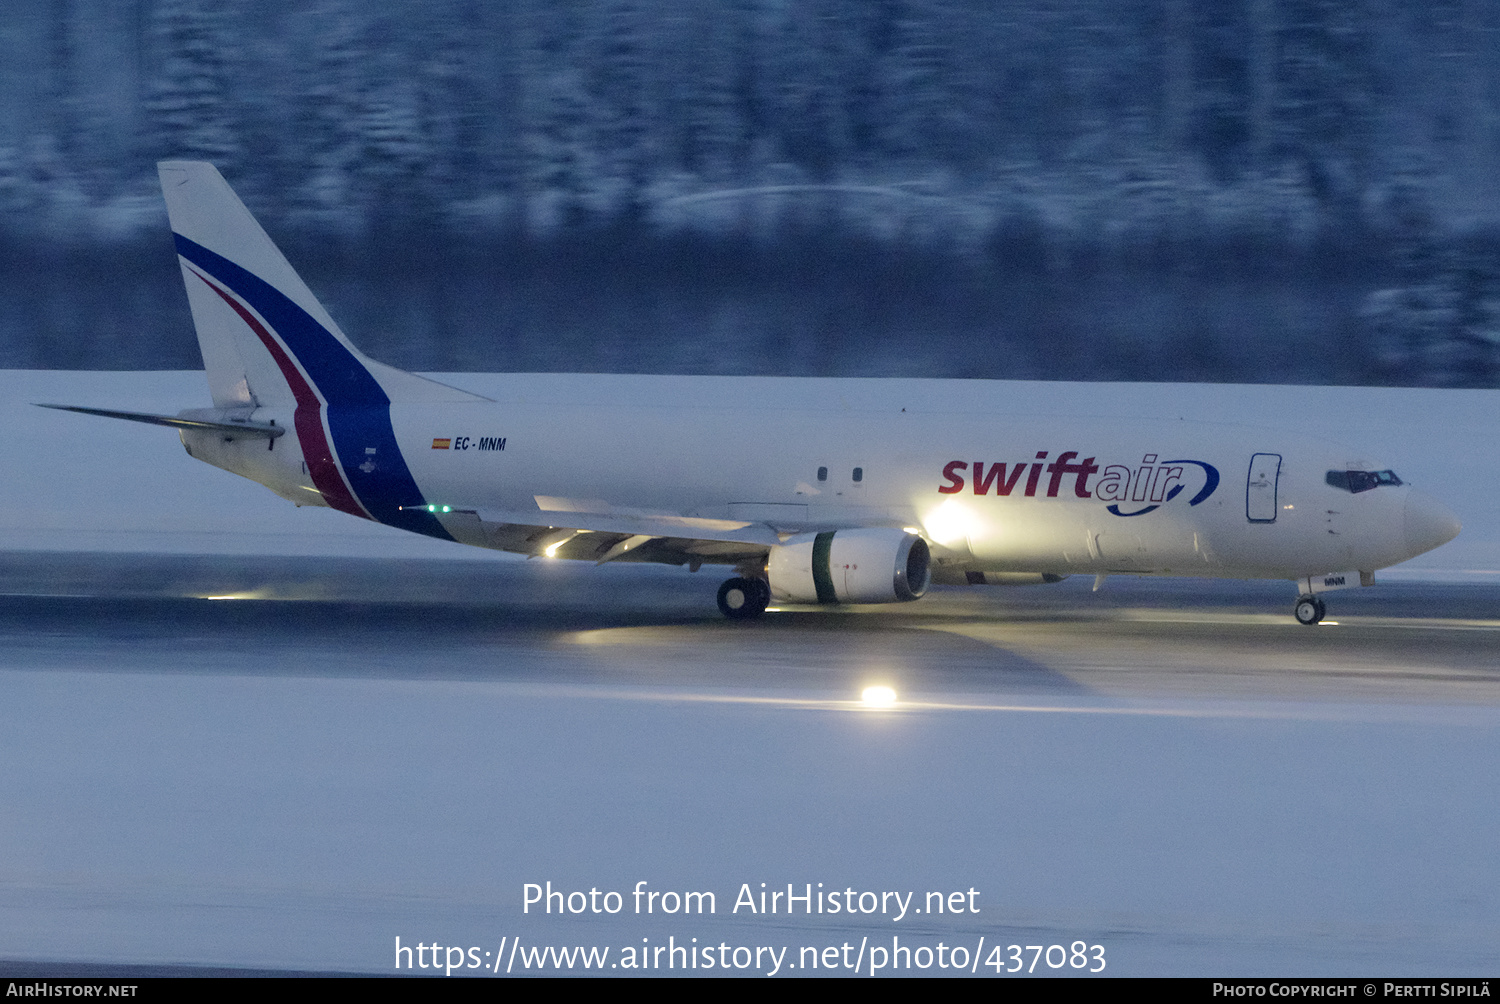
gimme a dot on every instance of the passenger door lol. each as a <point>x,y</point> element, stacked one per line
<point>1260,487</point>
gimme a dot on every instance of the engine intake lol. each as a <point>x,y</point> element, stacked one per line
<point>850,566</point>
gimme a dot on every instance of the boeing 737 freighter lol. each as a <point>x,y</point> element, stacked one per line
<point>812,491</point>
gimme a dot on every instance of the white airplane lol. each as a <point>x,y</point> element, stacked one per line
<point>814,491</point>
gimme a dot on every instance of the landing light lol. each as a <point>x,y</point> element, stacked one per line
<point>950,524</point>
<point>878,697</point>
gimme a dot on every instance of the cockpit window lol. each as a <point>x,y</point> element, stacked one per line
<point>1361,481</point>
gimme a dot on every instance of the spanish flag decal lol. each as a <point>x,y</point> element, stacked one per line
<point>442,444</point>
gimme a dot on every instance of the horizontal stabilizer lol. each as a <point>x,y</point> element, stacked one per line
<point>230,427</point>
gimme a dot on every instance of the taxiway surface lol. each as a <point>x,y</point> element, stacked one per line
<point>289,763</point>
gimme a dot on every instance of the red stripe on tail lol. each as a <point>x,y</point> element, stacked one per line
<point>326,476</point>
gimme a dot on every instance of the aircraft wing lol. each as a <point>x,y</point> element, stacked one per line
<point>619,535</point>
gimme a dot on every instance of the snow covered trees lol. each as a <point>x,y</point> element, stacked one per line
<point>189,104</point>
<point>1152,144</point>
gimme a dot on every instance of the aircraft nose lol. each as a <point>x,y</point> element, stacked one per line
<point>1429,523</point>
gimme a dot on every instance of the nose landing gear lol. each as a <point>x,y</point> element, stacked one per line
<point>744,599</point>
<point>1309,610</point>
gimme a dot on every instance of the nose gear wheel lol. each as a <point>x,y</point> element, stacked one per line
<point>1309,610</point>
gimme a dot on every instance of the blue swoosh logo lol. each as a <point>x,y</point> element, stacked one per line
<point>1210,484</point>
<point>1210,481</point>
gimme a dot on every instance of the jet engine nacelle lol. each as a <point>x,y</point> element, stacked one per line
<point>850,566</point>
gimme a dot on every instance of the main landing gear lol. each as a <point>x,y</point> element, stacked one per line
<point>1309,610</point>
<point>744,599</point>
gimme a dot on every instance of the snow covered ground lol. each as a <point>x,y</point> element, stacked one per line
<point>286,791</point>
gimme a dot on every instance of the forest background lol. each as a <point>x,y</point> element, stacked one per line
<point>1294,191</point>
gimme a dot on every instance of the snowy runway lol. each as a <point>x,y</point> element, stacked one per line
<point>297,783</point>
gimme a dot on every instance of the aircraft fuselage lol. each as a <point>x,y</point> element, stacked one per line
<point>992,492</point>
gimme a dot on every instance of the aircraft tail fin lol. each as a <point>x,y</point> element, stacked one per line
<point>265,339</point>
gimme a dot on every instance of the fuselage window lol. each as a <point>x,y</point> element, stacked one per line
<point>1361,481</point>
<point>859,474</point>
<point>822,474</point>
